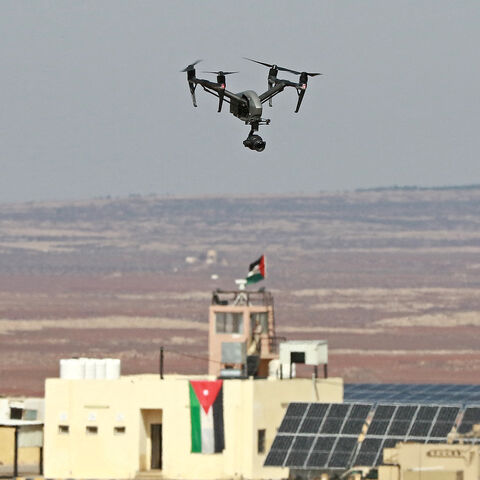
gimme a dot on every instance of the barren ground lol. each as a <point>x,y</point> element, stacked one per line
<point>390,278</point>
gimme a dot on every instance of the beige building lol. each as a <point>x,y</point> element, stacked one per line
<point>121,428</point>
<point>418,461</point>
<point>101,425</point>
<point>23,418</point>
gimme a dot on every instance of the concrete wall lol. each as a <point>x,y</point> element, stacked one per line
<point>26,456</point>
<point>137,401</point>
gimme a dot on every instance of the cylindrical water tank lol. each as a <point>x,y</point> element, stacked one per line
<point>100,368</point>
<point>90,368</point>
<point>112,368</point>
<point>71,369</point>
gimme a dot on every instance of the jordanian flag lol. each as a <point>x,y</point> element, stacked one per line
<point>257,270</point>
<point>206,414</point>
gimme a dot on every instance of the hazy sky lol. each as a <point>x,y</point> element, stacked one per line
<point>93,103</point>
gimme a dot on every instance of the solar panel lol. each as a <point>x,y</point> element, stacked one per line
<point>318,459</point>
<point>405,412</point>
<point>296,458</point>
<point>441,429</point>
<point>353,427</point>
<point>339,460</point>
<point>427,413</point>
<point>296,409</point>
<point>339,410</point>
<point>370,445</point>
<point>471,417</point>
<point>275,458</point>
<point>282,442</point>
<point>332,425</point>
<point>366,459</point>
<point>317,410</point>
<point>420,429</point>
<point>384,412</point>
<point>311,425</point>
<point>448,414</point>
<point>324,444</point>
<point>360,411</point>
<point>399,427</point>
<point>326,436</point>
<point>378,427</point>
<point>413,393</point>
<point>290,424</point>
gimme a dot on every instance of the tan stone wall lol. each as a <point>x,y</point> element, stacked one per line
<point>248,406</point>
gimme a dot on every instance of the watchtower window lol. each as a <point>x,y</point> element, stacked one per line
<point>262,318</point>
<point>228,322</point>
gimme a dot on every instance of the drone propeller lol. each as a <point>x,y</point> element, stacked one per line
<point>191,66</point>
<point>273,66</point>
<point>272,78</point>
<point>221,73</point>
<point>282,69</point>
<point>190,76</point>
<point>222,82</point>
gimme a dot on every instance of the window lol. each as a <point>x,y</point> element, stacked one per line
<point>16,413</point>
<point>91,430</point>
<point>229,322</point>
<point>119,430</point>
<point>30,415</point>
<point>262,318</point>
<point>261,440</point>
<point>63,429</point>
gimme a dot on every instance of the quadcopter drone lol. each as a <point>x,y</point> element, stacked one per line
<point>247,105</point>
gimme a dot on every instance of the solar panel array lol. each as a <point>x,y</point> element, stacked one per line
<point>337,436</point>
<point>318,435</point>
<point>398,423</point>
<point>412,393</point>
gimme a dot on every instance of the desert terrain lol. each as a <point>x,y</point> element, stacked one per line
<point>390,277</point>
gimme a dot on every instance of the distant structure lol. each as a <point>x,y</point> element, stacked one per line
<point>243,342</point>
<point>21,433</point>
<point>212,257</point>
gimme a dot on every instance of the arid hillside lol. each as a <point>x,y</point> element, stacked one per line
<point>391,278</point>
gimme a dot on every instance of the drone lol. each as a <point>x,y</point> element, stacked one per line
<point>247,105</point>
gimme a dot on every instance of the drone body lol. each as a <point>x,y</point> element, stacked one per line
<point>247,105</point>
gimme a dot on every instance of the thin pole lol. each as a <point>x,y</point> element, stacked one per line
<point>15,454</point>
<point>41,461</point>
<point>161,363</point>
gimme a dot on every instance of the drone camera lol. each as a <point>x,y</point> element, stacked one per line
<point>255,142</point>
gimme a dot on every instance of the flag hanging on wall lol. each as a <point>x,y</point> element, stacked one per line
<point>206,414</point>
<point>257,270</point>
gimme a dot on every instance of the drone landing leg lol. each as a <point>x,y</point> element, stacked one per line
<point>192,92</point>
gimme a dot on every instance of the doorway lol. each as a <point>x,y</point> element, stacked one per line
<point>151,440</point>
<point>156,443</point>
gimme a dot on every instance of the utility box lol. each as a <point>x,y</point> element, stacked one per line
<point>309,352</point>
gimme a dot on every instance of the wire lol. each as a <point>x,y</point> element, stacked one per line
<point>196,357</point>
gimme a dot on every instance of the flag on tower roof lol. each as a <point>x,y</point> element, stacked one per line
<point>257,270</point>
